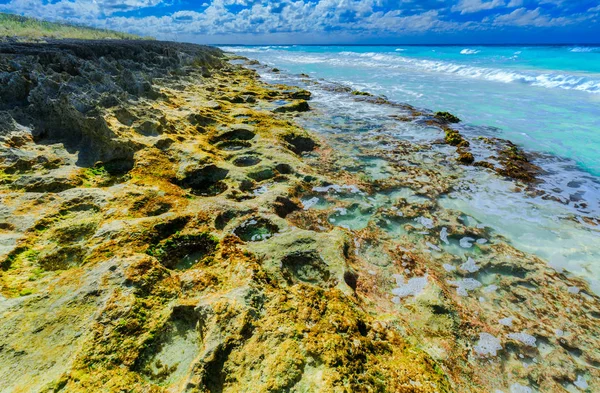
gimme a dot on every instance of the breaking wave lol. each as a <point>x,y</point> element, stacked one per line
<point>548,80</point>
<point>585,49</point>
<point>554,80</point>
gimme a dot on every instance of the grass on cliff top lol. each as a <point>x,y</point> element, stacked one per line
<point>24,28</point>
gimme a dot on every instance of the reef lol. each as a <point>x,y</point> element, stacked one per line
<point>168,225</point>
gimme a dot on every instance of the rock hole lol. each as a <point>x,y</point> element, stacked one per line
<point>125,117</point>
<point>199,119</point>
<point>119,167</point>
<point>246,161</point>
<point>62,259</point>
<point>299,144</point>
<point>184,251</point>
<point>262,174</point>
<point>284,169</point>
<point>168,228</point>
<point>214,377</point>
<point>239,134</point>
<point>351,279</point>
<point>168,359</point>
<point>206,181</point>
<point>233,145</point>
<point>255,230</point>
<point>362,327</point>
<point>305,266</point>
<point>284,206</point>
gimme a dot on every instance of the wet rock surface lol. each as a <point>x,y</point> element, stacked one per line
<point>164,228</point>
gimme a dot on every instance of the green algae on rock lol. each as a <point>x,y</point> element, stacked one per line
<point>145,222</point>
<point>446,117</point>
<point>223,248</point>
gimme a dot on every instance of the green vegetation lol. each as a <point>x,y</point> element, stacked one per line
<point>454,138</point>
<point>446,117</point>
<point>361,93</point>
<point>25,29</point>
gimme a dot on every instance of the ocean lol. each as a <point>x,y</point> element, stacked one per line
<point>546,99</point>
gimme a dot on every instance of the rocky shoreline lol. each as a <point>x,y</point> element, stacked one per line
<point>166,226</point>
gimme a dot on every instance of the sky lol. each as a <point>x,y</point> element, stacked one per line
<point>332,21</point>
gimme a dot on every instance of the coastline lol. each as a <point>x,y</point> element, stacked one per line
<point>179,245</point>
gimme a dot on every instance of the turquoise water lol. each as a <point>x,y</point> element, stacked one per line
<point>545,98</point>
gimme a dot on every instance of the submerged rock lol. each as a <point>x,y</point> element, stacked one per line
<point>295,106</point>
<point>446,117</point>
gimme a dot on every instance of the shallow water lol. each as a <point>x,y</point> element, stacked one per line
<point>544,98</point>
<point>554,231</point>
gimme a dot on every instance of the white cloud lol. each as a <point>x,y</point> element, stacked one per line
<point>75,10</point>
<point>471,6</point>
<point>525,17</point>
<point>282,19</point>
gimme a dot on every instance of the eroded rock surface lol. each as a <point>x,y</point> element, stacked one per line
<point>165,228</point>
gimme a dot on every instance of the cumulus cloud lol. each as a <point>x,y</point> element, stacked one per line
<point>75,10</point>
<point>525,17</point>
<point>169,19</point>
<point>471,6</point>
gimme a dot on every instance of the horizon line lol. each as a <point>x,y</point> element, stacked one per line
<point>459,44</point>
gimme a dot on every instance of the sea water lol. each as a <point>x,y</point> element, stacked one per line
<point>546,99</point>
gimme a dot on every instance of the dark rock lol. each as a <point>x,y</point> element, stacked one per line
<point>45,183</point>
<point>296,106</point>
<point>361,93</point>
<point>59,89</point>
<point>465,157</point>
<point>299,143</point>
<point>446,117</point>
<point>300,95</point>
<point>284,206</point>
<point>305,266</point>
<point>205,181</point>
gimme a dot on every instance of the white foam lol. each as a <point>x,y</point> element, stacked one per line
<point>506,321</point>
<point>518,388</point>
<point>426,222</point>
<point>470,266</point>
<point>337,188</point>
<point>444,235</point>
<point>547,80</point>
<point>469,52</point>
<point>573,290</point>
<point>583,49</point>
<point>581,383</point>
<point>524,338</point>
<point>488,345</point>
<point>449,268</point>
<point>433,246</point>
<point>466,242</point>
<point>342,211</point>
<point>465,285</point>
<point>310,203</point>
<point>261,190</point>
<point>413,287</point>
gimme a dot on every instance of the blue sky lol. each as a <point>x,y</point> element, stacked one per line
<point>332,21</point>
